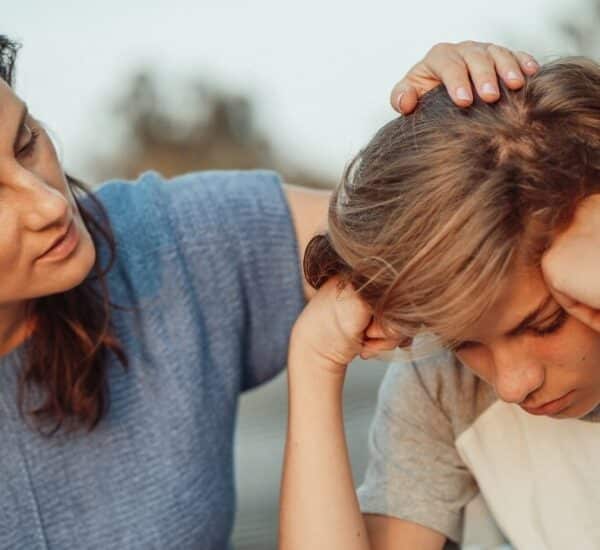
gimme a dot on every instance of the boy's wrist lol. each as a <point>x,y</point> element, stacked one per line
<point>317,352</point>
<point>305,363</point>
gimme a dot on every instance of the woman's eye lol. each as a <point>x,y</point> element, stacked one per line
<point>27,141</point>
<point>554,326</point>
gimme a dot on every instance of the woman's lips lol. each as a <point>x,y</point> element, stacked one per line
<point>63,247</point>
<point>551,407</point>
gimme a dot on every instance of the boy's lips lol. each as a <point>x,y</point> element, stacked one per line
<point>550,407</point>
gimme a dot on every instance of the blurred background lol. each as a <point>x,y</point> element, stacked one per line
<point>294,86</point>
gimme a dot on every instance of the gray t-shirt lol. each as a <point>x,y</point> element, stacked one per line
<point>447,454</point>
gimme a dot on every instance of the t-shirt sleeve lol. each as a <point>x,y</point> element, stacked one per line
<point>233,233</point>
<point>414,471</point>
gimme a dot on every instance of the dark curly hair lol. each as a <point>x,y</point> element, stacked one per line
<point>65,356</point>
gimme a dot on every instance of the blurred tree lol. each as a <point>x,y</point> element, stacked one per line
<point>214,130</point>
<point>582,29</point>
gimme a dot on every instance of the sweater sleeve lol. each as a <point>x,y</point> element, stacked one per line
<point>234,235</point>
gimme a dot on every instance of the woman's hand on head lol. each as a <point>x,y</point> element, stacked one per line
<point>458,67</point>
<point>571,266</point>
<point>336,326</point>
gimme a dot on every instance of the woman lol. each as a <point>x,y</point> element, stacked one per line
<point>162,300</point>
<point>480,227</point>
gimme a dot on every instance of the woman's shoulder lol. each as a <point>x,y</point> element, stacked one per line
<point>216,250</point>
<point>153,211</point>
<point>133,211</point>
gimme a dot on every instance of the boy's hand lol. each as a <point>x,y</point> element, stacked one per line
<point>571,266</point>
<point>335,327</point>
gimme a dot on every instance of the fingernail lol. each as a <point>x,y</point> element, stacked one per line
<point>489,88</point>
<point>462,93</point>
<point>532,64</point>
<point>512,75</point>
<point>399,100</point>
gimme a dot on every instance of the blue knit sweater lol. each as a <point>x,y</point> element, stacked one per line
<point>210,260</point>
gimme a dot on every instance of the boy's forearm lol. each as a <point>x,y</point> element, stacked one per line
<point>319,508</point>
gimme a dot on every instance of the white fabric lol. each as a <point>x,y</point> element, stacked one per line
<point>538,475</point>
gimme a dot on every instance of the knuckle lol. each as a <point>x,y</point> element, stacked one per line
<point>483,75</point>
<point>495,49</point>
<point>471,44</point>
<point>440,47</point>
<point>479,58</point>
<point>523,55</point>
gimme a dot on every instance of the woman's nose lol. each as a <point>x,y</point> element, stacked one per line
<point>516,377</point>
<point>42,204</point>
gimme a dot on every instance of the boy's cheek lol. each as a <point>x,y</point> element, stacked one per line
<point>478,363</point>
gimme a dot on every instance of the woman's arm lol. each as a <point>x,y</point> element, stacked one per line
<point>308,208</point>
<point>319,508</point>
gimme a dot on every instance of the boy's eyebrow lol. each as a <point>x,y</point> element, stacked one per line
<point>530,317</point>
<point>24,113</point>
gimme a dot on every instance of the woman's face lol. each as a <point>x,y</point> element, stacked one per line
<point>36,209</point>
<point>533,353</point>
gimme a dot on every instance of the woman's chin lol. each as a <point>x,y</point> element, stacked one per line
<point>81,265</point>
<point>65,275</point>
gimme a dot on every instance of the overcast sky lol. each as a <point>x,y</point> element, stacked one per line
<point>319,70</point>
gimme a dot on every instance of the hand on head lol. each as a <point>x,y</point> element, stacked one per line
<point>459,67</point>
